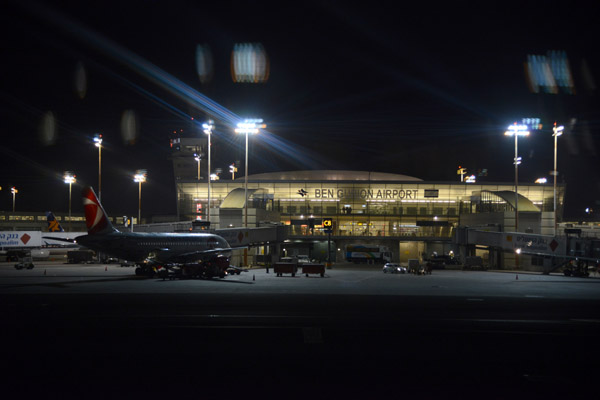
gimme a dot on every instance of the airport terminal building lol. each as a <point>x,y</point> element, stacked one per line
<point>410,216</point>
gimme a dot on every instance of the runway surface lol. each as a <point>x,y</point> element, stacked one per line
<point>355,331</point>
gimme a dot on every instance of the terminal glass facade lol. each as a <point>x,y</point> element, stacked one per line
<point>363,208</point>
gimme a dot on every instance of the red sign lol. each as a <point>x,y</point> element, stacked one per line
<point>25,238</point>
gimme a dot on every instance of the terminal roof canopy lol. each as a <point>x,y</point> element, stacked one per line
<point>509,196</point>
<point>330,175</point>
<point>237,197</point>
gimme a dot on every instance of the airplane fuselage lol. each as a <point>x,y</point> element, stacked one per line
<point>164,247</point>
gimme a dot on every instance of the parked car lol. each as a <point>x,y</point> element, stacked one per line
<point>394,268</point>
<point>25,262</point>
<point>125,263</point>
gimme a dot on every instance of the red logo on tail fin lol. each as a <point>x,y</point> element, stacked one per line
<point>95,218</point>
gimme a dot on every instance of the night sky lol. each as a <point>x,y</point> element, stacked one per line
<point>376,86</point>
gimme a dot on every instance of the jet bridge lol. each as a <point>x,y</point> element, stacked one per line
<point>528,243</point>
<point>542,252</point>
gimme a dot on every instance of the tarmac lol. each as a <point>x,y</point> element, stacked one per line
<point>96,330</point>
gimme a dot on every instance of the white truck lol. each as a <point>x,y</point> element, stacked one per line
<point>366,253</point>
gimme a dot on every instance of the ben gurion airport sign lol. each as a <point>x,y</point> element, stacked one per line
<point>368,194</point>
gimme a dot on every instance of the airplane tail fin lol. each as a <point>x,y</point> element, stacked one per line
<point>53,225</point>
<point>96,218</point>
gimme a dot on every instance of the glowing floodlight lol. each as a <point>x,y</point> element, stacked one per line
<point>140,176</point>
<point>519,130</point>
<point>250,126</point>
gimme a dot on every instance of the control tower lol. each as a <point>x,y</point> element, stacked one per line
<point>189,155</point>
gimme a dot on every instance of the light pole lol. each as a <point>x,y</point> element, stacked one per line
<point>247,127</point>
<point>461,171</point>
<point>198,159</point>
<point>14,192</point>
<point>140,177</point>
<point>69,178</point>
<point>516,131</point>
<point>98,144</point>
<point>558,130</point>
<point>208,127</point>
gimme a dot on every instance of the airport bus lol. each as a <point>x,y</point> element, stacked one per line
<point>366,253</point>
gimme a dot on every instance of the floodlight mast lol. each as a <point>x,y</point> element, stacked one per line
<point>249,126</point>
<point>558,130</point>
<point>69,178</point>
<point>140,177</point>
<point>516,131</point>
<point>98,144</point>
<point>14,192</point>
<point>208,128</point>
<point>198,160</point>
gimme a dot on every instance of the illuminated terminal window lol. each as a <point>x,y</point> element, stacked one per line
<point>21,218</point>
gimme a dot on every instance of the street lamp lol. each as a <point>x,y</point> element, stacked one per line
<point>140,177</point>
<point>198,159</point>
<point>558,130</point>
<point>14,192</point>
<point>516,131</point>
<point>461,171</point>
<point>69,178</point>
<point>98,144</point>
<point>208,128</point>
<point>247,127</point>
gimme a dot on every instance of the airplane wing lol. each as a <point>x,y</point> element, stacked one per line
<point>59,239</point>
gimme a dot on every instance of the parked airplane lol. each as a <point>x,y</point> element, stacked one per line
<point>194,254</point>
<point>53,224</point>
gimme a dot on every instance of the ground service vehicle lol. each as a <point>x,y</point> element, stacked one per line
<point>370,254</point>
<point>25,262</point>
<point>394,268</point>
<point>577,269</point>
<point>441,261</point>
<point>281,268</point>
<point>311,268</point>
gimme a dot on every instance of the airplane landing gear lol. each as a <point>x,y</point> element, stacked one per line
<point>145,270</point>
